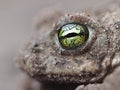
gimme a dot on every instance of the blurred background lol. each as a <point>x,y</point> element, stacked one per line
<point>16,27</point>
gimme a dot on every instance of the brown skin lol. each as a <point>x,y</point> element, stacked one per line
<point>45,60</point>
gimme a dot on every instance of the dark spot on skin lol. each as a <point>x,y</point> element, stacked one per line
<point>117,25</point>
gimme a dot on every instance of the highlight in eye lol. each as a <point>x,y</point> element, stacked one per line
<point>73,35</point>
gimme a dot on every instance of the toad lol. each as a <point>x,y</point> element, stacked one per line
<point>79,48</point>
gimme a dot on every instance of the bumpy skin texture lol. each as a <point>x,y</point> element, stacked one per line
<point>45,60</point>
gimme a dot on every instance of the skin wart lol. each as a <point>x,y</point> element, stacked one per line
<point>45,60</point>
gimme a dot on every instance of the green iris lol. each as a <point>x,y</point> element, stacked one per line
<point>72,35</point>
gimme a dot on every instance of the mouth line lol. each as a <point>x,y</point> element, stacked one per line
<point>83,78</point>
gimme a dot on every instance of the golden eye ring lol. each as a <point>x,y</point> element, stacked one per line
<point>72,35</point>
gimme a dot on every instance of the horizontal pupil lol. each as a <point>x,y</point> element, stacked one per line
<point>71,35</point>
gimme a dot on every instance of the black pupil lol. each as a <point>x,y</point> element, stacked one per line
<point>71,35</point>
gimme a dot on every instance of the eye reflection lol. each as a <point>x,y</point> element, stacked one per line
<point>72,35</point>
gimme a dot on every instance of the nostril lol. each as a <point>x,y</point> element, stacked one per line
<point>36,45</point>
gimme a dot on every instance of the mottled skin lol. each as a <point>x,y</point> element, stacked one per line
<point>46,61</point>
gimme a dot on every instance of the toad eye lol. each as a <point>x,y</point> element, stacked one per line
<point>72,35</point>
